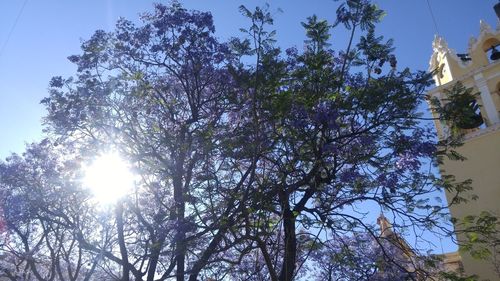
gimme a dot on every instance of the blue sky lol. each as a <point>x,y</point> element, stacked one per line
<point>48,31</point>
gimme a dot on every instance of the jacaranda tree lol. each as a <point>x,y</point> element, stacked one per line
<point>248,157</point>
<point>42,204</point>
<point>360,257</point>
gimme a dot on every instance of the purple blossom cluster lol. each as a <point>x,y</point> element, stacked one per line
<point>242,167</point>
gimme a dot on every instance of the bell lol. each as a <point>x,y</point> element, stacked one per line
<point>471,122</point>
<point>494,54</point>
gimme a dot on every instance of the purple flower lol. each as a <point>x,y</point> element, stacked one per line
<point>407,161</point>
<point>325,113</point>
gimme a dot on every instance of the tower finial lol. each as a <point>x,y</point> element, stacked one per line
<point>439,44</point>
<point>484,27</point>
<point>385,225</point>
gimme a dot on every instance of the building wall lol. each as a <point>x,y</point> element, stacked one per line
<point>452,262</point>
<point>481,145</point>
<point>483,167</point>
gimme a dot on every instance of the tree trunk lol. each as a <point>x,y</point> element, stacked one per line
<point>121,241</point>
<point>180,236</point>
<point>290,255</point>
<point>153,260</point>
<point>179,200</point>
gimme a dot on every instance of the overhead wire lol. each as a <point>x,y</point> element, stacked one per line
<point>13,27</point>
<point>433,18</point>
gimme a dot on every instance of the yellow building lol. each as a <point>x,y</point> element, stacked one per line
<point>450,262</point>
<point>479,69</point>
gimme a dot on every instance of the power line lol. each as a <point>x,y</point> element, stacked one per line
<point>12,28</point>
<point>433,18</point>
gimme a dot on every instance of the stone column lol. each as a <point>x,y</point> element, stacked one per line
<point>488,105</point>
<point>441,127</point>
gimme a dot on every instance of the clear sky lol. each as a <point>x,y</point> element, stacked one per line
<point>35,43</point>
<point>48,31</point>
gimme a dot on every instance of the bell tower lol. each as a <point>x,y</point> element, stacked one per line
<point>478,69</point>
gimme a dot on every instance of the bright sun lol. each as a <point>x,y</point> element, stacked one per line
<point>108,177</point>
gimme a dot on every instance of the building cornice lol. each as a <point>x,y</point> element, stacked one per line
<point>471,75</point>
<point>482,132</point>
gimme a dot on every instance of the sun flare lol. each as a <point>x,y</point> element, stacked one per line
<point>108,177</point>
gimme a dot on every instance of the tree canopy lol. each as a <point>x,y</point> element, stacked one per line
<point>248,157</point>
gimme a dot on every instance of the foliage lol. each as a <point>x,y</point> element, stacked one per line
<point>363,257</point>
<point>482,240</point>
<point>39,196</point>
<point>460,110</point>
<point>243,167</point>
